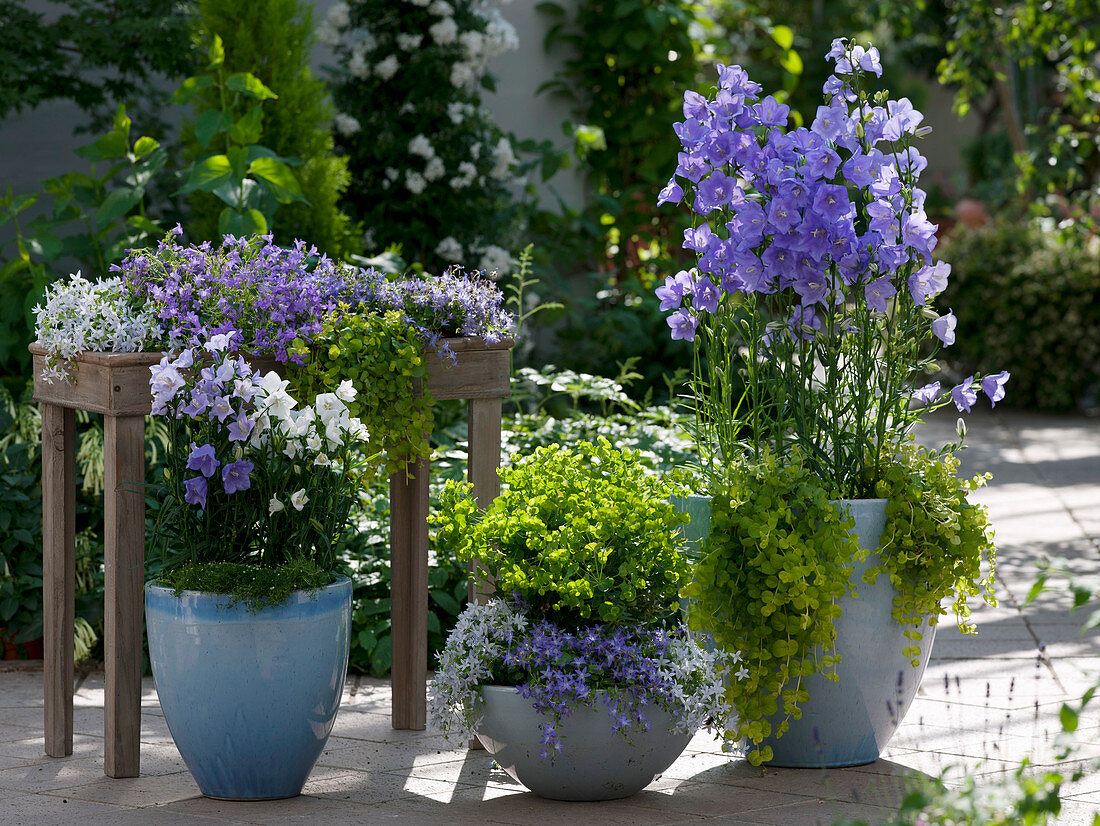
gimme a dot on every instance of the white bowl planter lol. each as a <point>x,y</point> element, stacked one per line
<point>595,762</point>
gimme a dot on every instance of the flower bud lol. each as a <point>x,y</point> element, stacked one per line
<point>960,428</point>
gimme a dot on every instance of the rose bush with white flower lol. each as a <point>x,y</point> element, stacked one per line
<point>252,477</point>
<point>434,173</point>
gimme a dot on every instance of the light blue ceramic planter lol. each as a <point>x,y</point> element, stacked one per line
<point>849,722</point>
<point>250,699</point>
<point>595,763</point>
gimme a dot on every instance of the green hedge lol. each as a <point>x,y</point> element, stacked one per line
<point>1027,301</point>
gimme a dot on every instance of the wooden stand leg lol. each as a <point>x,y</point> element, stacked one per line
<point>409,596</point>
<point>124,565</point>
<point>482,464</point>
<point>58,573</point>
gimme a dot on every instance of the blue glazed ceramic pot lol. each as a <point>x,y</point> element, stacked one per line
<point>595,762</point>
<point>250,699</point>
<point>849,722</point>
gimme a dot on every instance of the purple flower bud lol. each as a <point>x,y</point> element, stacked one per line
<point>683,325</point>
<point>671,194</point>
<point>943,328</point>
<point>203,460</point>
<point>878,293</point>
<point>964,394</point>
<point>928,393</point>
<point>235,476</point>
<point>195,491</point>
<point>994,386</point>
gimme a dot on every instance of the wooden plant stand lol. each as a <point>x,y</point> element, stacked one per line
<point>117,386</point>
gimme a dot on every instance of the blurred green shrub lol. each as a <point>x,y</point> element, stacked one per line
<point>272,40</point>
<point>1027,299</point>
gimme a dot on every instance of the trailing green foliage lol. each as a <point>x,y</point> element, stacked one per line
<point>576,532</point>
<point>1029,298</point>
<point>778,558</point>
<point>256,586</point>
<point>935,541</point>
<point>250,179</point>
<point>272,40</point>
<point>382,356</point>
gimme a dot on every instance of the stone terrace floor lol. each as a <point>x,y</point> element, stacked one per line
<point>985,704</point>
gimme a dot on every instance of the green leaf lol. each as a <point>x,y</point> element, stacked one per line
<point>144,146</point>
<point>1036,589</point>
<point>655,19</point>
<point>207,175</point>
<point>122,122</point>
<point>382,657</point>
<point>242,224</point>
<point>1069,719</point>
<point>256,151</point>
<point>247,83</point>
<point>238,162</point>
<point>209,124</point>
<point>140,222</point>
<point>111,146</point>
<point>191,87</point>
<point>216,52</point>
<point>1092,622</point>
<point>1081,595</point>
<point>550,9</point>
<point>249,128</point>
<point>446,602</point>
<point>278,178</point>
<point>46,246</point>
<point>783,36</point>
<point>117,204</point>
<point>791,62</point>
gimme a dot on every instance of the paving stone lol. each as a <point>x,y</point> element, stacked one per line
<point>985,702</point>
<point>817,813</point>
<point>148,790</point>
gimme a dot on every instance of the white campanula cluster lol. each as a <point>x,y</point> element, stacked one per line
<point>243,420</point>
<point>411,120</point>
<point>478,639</point>
<point>78,315</point>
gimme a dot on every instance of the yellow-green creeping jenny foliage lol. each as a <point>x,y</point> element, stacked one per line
<point>778,557</point>
<point>580,534</point>
<point>935,541</point>
<point>383,358</point>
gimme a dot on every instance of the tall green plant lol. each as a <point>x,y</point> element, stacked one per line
<point>272,40</point>
<point>432,169</point>
<point>250,179</point>
<point>620,82</point>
